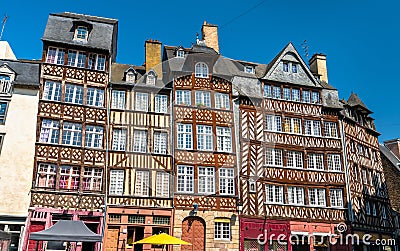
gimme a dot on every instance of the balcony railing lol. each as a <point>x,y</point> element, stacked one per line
<point>5,86</point>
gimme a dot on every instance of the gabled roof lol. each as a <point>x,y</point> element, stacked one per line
<point>355,101</point>
<point>26,73</point>
<point>303,77</point>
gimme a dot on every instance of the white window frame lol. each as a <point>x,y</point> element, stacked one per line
<point>180,53</point>
<point>222,231</point>
<point>296,95</point>
<point>334,162</point>
<point>117,180</point>
<point>79,35</point>
<point>119,139</point>
<point>312,127</point>
<point>162,184</point>
<point>48,172</point>
<point>94,136</point>
<point>150,78</point>
<point>183,97</point>
<point>160,142</point>
<point>161,103</point>
<point>72,180</point>
<point>336,196</point>
<point>317,197</point>
<point>249,69</point>
<point>331,130</point>
<point>201,70</point>
<point>273,123</point>
<point>142,181</point>
<point>306,96</point>
<point>94,177</point>
<point>315,161</point>
<point>185,179</point>
<point>52,91</point>
<point>294,159</point>
<point>57,58</point>
<point>140,141</point>
<point>226,181</point>
<point>118,99</point>
<point>315,97</point>
<point>205,138</point>
<point>77,61</point>
<point>203,98</point>
<point>96,62</point>
<point>289,125</point>
<point>95,97</point>
<point>367,207</point>
<point>52,129</point>
<point>222,101</point>
<point>295,195</point>
<point>184,136</point>
<point>141,101</point>
<point>273,157</point>
<point>206,180</point>
<point>74,94</point>
<point>274,194</point>
<point>72,136</point>
<point>224,139</point>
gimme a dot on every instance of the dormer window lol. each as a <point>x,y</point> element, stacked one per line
<point>290,67</point>
<point>201,70</point>
<point>249,69</point>
<point>130,77</point>
<point>81,33</point>
<point>151,78</point>
<point>180,53</point>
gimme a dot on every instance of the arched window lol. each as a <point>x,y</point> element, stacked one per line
<point>201,70</point>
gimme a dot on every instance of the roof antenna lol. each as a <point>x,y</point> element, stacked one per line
<point>3,24</point>
<point>306,48</point>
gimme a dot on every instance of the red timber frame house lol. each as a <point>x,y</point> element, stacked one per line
<point>292,175</point>
<point>69,174</point>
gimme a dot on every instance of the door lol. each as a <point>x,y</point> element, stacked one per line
<point>90,246</point>
<point>111,243</point>
<point>193,231</point>
<point>35,227</point>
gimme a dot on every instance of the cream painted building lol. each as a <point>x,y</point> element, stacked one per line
<point>19,96</point>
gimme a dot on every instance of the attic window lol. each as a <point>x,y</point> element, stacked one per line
<point>290,67</point>
<point>151,78</point>
<point>81,33</point>
<point>180,53</point>
<point>249,69</point>
<point>130,77</point>
<point>201,70</point>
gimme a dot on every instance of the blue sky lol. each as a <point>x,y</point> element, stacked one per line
<point>359,37</point>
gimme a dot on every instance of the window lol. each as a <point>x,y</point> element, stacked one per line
<point>201,70</point>
<point>267,91</point>
<point>371,182</point>
<point>294,159</point>
<point>249,69</point>
<point>316,161</point>
<point>296,195</point>
<point>46,175</point>
<point>94,136</point>
<point>55,56</point>
<point>224,139</point>
<point>306,96</point>
<point>273,123</point>
<point>161,220</point>
<point>222,230</point>
<point>367,208</point>
<point>364,176</point>
<point>50,131</point>
<point>222,101</point>
<point>72,134</point>
<point>151,78</point>
<point>140,141</point>
<point>276,92</point>
<point>116,182</point>
<point>206,180</point>
<point>331,129</point>
<point>161,103</point>
<point>274,194</point>
<point>119,139</point>
<point>142,183</point>
<point>384,216</point>
<point>356,172</point>
<point>334,162</point>
<point>69,177</point>
<point>360,149</point>
<point>204,138</point>
<point>96,62</point>
<point>203,98</point>
<point>185,179</point>
<point>180,53</point>
<point>81,33</point>
<point>315,97</point>
<point>183,98</point>
<point>184,136</point>
<point>312,127</point>
<point>141,101</point>
<point>373,209</point>
<point>295,94</point>
<point>130,77</point>
<point>3,111</point>
<point>292,125</point>
<point>95,97</point>
<point>286,94</point>
<point>52,91</point>
<point>136,219</point>
<point>294,67</point>
<point>336,197</point>
<point>316,196</point>
<point>76,59</point>
<point>118,99</point>
<point>226,181</point>
<point>74,94</point>
<point>285,66</point>
<point>160,142</point>
<point>162,184</point>
<point>92,179</point>
<point>273,157</point>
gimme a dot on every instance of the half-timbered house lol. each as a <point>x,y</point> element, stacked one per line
<point>292,176</point>
<point>69,167</point>
<point>370,206</point>
<point>139,201</point>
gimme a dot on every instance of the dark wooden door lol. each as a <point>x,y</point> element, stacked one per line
<point>193,231</point>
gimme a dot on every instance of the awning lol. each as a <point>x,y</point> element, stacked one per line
<point>162,239</point>
<point>67,230</point>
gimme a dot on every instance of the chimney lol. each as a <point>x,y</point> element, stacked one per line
<point>210,35</point>
<point>318,67</point>
<point>153,56</point>
<point>394,146</point>
<point>6,51</point>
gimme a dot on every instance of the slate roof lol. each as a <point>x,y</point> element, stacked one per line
<point>103,34</point>
<point>354,100</point>
<point>390,156</point>
<point>27,73</point>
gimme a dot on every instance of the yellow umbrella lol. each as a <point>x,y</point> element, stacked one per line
<point>162,239</point>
